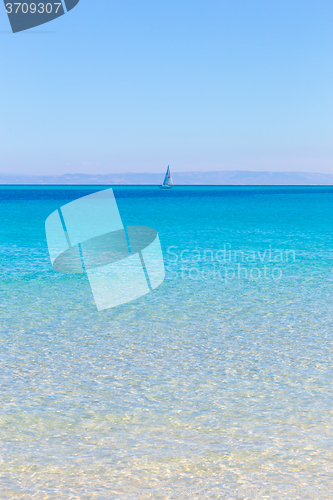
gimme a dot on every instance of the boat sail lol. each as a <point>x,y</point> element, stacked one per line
<point>168,182</point>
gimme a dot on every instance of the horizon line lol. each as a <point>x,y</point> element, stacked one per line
<point>162,173</point>
<point>175,186</point>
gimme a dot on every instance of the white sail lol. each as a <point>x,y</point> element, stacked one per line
<point>168,179</point>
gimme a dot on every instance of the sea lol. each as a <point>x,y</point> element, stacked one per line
<point>215,385</point>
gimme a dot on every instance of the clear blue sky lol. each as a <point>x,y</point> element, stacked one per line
<point>134,85</point>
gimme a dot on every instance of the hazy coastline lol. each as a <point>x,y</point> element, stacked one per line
<point>223,177</point>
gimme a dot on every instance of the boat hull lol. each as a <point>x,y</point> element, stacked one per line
<point>166,187</point>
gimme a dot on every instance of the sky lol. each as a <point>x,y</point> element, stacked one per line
<point>132,86</point>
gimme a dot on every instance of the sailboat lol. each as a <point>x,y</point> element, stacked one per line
<point>167,183</point>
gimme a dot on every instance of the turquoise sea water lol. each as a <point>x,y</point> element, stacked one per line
<point>218,384</point>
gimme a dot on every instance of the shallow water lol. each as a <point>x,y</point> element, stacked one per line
<point>218,384</point>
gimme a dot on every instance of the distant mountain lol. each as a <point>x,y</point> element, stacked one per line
<point>226,177</point>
